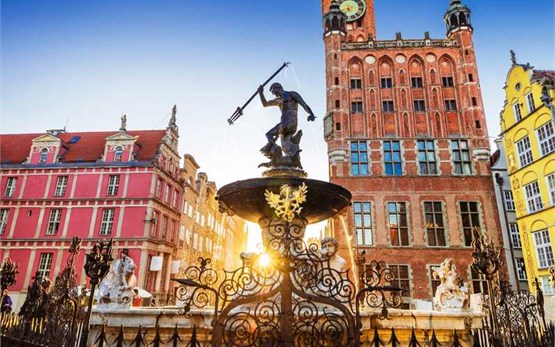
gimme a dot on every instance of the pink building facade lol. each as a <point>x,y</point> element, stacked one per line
<point>123,185</point>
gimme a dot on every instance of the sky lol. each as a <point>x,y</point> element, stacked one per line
<point>82,64</point>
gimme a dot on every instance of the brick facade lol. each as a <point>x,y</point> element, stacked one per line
<point>405,127</point>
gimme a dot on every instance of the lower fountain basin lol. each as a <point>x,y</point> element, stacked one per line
<point>246,198</point>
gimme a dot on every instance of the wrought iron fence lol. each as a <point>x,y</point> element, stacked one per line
<point>511,319</point>
<point>50,314</point>
<point>301,298</point>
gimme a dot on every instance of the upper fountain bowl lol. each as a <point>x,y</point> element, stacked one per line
<point>246,198</point>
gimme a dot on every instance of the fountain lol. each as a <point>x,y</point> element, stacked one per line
<point>292,294</point>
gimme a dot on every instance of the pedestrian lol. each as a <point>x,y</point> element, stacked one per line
<point>6,302</point>
<point>137,300</point>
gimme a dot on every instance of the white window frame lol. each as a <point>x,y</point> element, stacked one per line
<point>107,222</point>
<point>61,185</point>
<point>364,230</point>
<point>43,156</point>
<point>517,112</point>
<point>4,213</point>
<point>547,287</point>
<point>515,235</point>
<point>167,194</point>
<point>546,138</point>
<point>530,103</point>
<point>509,200</point>
<point>113,185</point>
<point>524,151</point>
<point>54,221</point>
<point>45,264</point>
<point>11,185</point>
<point>550,182</point>
<point>118,154</point>
<point>533,196</point>
<point>544,252</point>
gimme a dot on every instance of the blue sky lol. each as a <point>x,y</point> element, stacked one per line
<point>83,63</point>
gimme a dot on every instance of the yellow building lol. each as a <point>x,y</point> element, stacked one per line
<point>527,125</point>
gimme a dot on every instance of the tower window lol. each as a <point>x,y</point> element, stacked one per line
<point>388,106</point>
<point>427,157</point>
<point>356,83</point>
<point>447,81</point>
<point>363,222</point>
<point>416,82</point>
<point>470,219</point>
<point>461,157</point>
<point>419,105</point>
<point>336,81</point>
<point>359,158</point>
<point>435,227</point>
<point>398,223</point>
<point>338,126</point>
<point>450,105</point>
<point>337,104</point>
<point>392,158</point>
<point>387,82</point>
<point>470,77</point>
<point>356,107</point>
<point>474,101</point>
<point>477,124</point>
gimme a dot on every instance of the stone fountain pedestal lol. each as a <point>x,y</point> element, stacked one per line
<point>445,324</point>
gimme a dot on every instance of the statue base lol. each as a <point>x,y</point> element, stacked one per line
<point>284,171</point>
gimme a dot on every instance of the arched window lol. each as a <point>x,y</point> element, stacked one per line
<point>43,155</point>
<point>118,153</point>
<point>171,166</point>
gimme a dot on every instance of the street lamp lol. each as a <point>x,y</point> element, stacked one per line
<point>97,265</point>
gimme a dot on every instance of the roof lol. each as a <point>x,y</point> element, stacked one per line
<point>544,76</point>
<point>14,148</point>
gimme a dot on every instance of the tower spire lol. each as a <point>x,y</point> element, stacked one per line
<point>457,17</point>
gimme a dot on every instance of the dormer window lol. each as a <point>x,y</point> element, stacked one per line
<point>43,155</point>
<point>118,154</point>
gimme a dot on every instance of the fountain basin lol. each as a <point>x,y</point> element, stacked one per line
<point>246,198</point>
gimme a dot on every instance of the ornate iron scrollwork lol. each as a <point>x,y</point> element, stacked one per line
<point>302,297</point>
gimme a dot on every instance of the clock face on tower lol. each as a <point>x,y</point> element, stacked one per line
<point>353,9</point>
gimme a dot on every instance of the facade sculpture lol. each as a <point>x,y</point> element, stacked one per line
<point>449,296</point>
<point>116,289</point>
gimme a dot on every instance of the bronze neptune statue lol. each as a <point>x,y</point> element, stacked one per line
<point>286,155</point>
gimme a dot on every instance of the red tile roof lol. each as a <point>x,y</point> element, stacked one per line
<point>14,148</point>
<point>546,75</point>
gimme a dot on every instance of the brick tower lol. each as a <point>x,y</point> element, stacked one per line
<point>406,134</point>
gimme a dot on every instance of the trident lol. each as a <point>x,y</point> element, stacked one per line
<point>239,111</point>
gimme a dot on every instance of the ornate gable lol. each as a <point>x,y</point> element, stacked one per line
<point>120,147</point>
<point>45,149</point>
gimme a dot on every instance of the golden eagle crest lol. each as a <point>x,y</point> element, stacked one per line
<point>288,202</point>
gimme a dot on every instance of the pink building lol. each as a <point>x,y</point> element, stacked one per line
<point>121,184</point>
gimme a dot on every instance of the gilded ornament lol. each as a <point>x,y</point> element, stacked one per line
<point>287,204</point>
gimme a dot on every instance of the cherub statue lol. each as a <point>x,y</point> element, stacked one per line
<point>116,289</point>
<point>449,296</point>
<point>328,252</point>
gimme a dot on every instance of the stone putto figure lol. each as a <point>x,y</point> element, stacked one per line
<point>116,289</point>
<point>449,296</point>
<point>328,252</point>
